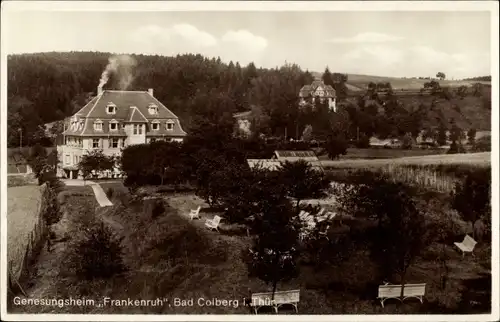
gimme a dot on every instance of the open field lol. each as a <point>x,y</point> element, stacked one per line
<point>380,153</point>
<point>357,82</point>
<point>23,204</point>
<point>482,159</point>
<point>172,257</point>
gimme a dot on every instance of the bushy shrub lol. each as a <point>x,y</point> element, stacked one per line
<point>456,148</point>
<point>51,211</point>
<point>97,254</point>
<point>363,142</point>
<point>158,209</point>
<point>182,242</point>
<point>472,196</point>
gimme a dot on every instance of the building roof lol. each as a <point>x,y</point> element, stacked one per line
<point>135,116</point>
<point>308,90</point>
<point>288,155</point>
<point>274,164</point>
<point>123,100</point>
<point>242,115</point>
<point>131,107</point>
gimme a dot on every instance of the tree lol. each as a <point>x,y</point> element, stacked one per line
<point>441,75</point>
<point>471,136</point>
<point>442,229</point>
<point>472,197</point>
<point>95,162</point>
<point>456,147</point>
<point>56,130</point>
<point>307,134</point>
<point>462,91</point>
<point>400,231</point>
<point>441,136</point>
<point>407,142</point>
<point>38,160</point>
<point>302,181</point>
<point>483,144</point>
<point>327,77</point>
<point>335,146</point>
<point>273,255</point>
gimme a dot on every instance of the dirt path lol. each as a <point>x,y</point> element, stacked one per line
<point>47,267</point>
<point>100,195</point>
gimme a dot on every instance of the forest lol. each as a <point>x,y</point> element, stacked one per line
<point>47,87</point>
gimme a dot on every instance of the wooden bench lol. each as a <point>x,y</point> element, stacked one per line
<point>281,298</point>
<point>467,245</point>
<point>389,291</point>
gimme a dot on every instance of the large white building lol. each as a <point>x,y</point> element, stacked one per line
<point>113,120</point>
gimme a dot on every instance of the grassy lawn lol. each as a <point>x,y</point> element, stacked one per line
<point>169,257</point>
<point>23,203</point>
<point>21,180</point>
<point>379,153</point>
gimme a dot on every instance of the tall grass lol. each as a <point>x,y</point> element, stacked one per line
<point>436,173</point>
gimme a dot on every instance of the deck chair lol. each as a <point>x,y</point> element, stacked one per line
<point>467,245</point>
<point>195,213</point>
<point>213,223</point>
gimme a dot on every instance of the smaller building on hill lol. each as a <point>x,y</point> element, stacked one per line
<point>243,123</point>
<point>318,92</point>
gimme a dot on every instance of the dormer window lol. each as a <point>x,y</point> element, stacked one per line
<point>155,125</point>
<point>170,125</point>
<point>113,125</point>
<point>111,108</point>
<point>98,125</point>
<point>153,109</point>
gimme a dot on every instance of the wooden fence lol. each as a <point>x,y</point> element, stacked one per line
<point>19,275</point>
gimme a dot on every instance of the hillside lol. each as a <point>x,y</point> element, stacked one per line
<point>357,82</point>
<point>46,87</point>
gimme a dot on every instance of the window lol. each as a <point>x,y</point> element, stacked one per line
<point>137,129</point>
<point>152,140</point>
<point>113,143</point>
<point>155,126</point>
<point>67,159</point>
<point>153,109</point>
<point>113,126</point>
<point>111,108</point>
<point>75,159</point>
<point>95,143</point>
<point>123,142</point>
<point>170,126</point>
<point>98,125</point>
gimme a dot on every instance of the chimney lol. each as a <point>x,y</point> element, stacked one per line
<point>99,90</point>
<point>150,91</point>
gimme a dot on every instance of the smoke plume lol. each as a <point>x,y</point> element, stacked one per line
<point>122,66</point>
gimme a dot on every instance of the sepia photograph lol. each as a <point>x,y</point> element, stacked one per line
<point>209,161</point>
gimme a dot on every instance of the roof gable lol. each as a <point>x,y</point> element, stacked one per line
<point>136,115</point>
<point>123,100</point>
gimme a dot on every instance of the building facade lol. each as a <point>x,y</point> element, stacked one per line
<point>112,121</point>
<point>318,92</point>
<point>243,123</point>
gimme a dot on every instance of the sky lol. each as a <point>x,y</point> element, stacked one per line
<point>383,43</point>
